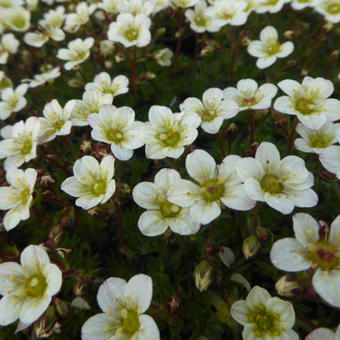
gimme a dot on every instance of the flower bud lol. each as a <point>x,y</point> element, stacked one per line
<point>286,285</point>
<point>62,307</point>
<point>289,34</point>
<point>56,233</point>
<point>43,328</point>
<point>262,233</point>
<point>250,246</point>
<point>106,47</point>
<point>203,275</point>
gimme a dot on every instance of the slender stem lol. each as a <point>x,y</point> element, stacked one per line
<point>120,224</point>
<point>308,322</point>
<point>291,137</point>
<point>134,70</point>
<point>252,128</point>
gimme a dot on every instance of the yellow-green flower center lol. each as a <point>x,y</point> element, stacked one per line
<point>36,285</point>
<point>207,115</point>
<point>273,48</point>
<point>19,21</point>
<point>131,34</point>
<point>212,190</point>
<point>319,140</point>
<point>26,146</point>
<point>305,106</point>
<point>200,19</point>
<point>324,254</point>
<point>114,135</point>
<point>171,137</point>
<point>130,324</point>
<point>266,322</point>
<point>25,195</point>
<point>168,209</point>
<point>333,8</point>
<point>271,184</point>
<point>99,188</point>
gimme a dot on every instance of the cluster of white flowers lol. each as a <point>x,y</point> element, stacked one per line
<point>172,201</point>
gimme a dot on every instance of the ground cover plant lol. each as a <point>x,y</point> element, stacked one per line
<point>170,169</point>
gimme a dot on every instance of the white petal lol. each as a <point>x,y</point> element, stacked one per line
<point>151,223</point>
<point>249,168</point>
<point>204,212</point>
<point>33,308</point>
<point>306,228</point>
<point>287,255</point>
<point>53,277</point>
<point>279,202</point>
<point>111,294</point>
<point>138,292</point>
<point>240,312</point>
<point>257,296</point>
<point>148,328</point>
<point>33,255</point>
<point>94,327</point>
<point>9,309</point>
<point>334,235</point>
<point>145,195</point>
<point>267,154</point>
<point>184,225</point>
<point>166,178</point>
<point>327,285</point>
<point>184,193</point>
<point>200,165</point>
<point>321,333</point>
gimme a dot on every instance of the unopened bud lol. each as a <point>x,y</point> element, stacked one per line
<point>262,233</point>
<point>173,303</point>
<point>286,286</point>
<point>335,54</point>
<point>289,34</point>
<point>86,146</point>
<point>250,246</point>
<point>245,41</point>
<point>26,57</point>
<point>203,275</point>
<point>232,128</point>
<point>56,233</point>
<point>304,72</point>
<point>149,75</point>
<point>43,328</point>
<point>160,31</point>
<point>62,307</point>
<point>328,26</point>
<point>106,47</point>
<point>108,64</point>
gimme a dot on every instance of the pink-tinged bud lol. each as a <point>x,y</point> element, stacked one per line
<point>173,304</point>
<point>56,233</point>
<point>263,233</point>
<point>287,286</point>
<point>250,246</point>
<point>203,275</point>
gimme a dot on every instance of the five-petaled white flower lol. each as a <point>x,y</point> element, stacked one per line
<point>268,48</point>
<point>8,45</point>
<point>166,133</point>
<point>309,249</point>
<point>324,334</point>
<point>309,101</point>
<point>230,12</point>
<point>213,186</point>
<point>20,144</point>
<point>212,110</point>
<point>131,30</point>
<point>117,126</point>
<point>28,288</point>
<point>248,96</point>
<point>282,184</point>
<point>317,141</point>
<point>46,77</point>
<point>78,51</point>
<point>55,121</point>
<point>12,100</point>
<point>161,213</point>
<point>123,304</point>
<point>92,101</point>
<point>102,82</point>
<point>92,182</point>
<point>80,17</point>
<point>264,316</point>
<point>329,8</point>
<point>17,197</point>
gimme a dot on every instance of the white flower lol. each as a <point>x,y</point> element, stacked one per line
<point>202,18</point>
<point>9,45</point>
<point>28,288</point>
<point>268,48</point>
<point>78,51</point>
<point>102,82</point>
<point>308,250</point>
<point>51,28</point>
<point>166,133</point>
<point>271,6</point>
<point>12,101</point>
<point>92,182</point>
<point>45,77</point>
<point>17,197</point>
<point>17,18</point>
<point>130,30</point>
<point>116,126</point>
<point>324,334</point>
<point>301,4</point>
<point>123,304</point>
<point>264,316</point>
<point>110,6</point>
<point>20,142</point>
<point>183,3</point>
<point>91,102</point>
<point>329,8</point>
<point>282,184</point>
<point>248,96</point>
<point>230,12</point>
<point>309,101</point>
<point>161,213</point>
<point>81,17</point>
<point>330,159</point>
<point>159,5</point>
<point>55,121</point>
<point>135,7</point>
<point>317,140</point>
<point>251,6</point>
<point>212,110</point>
<point>163,57</point>
<point>213,186</point>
